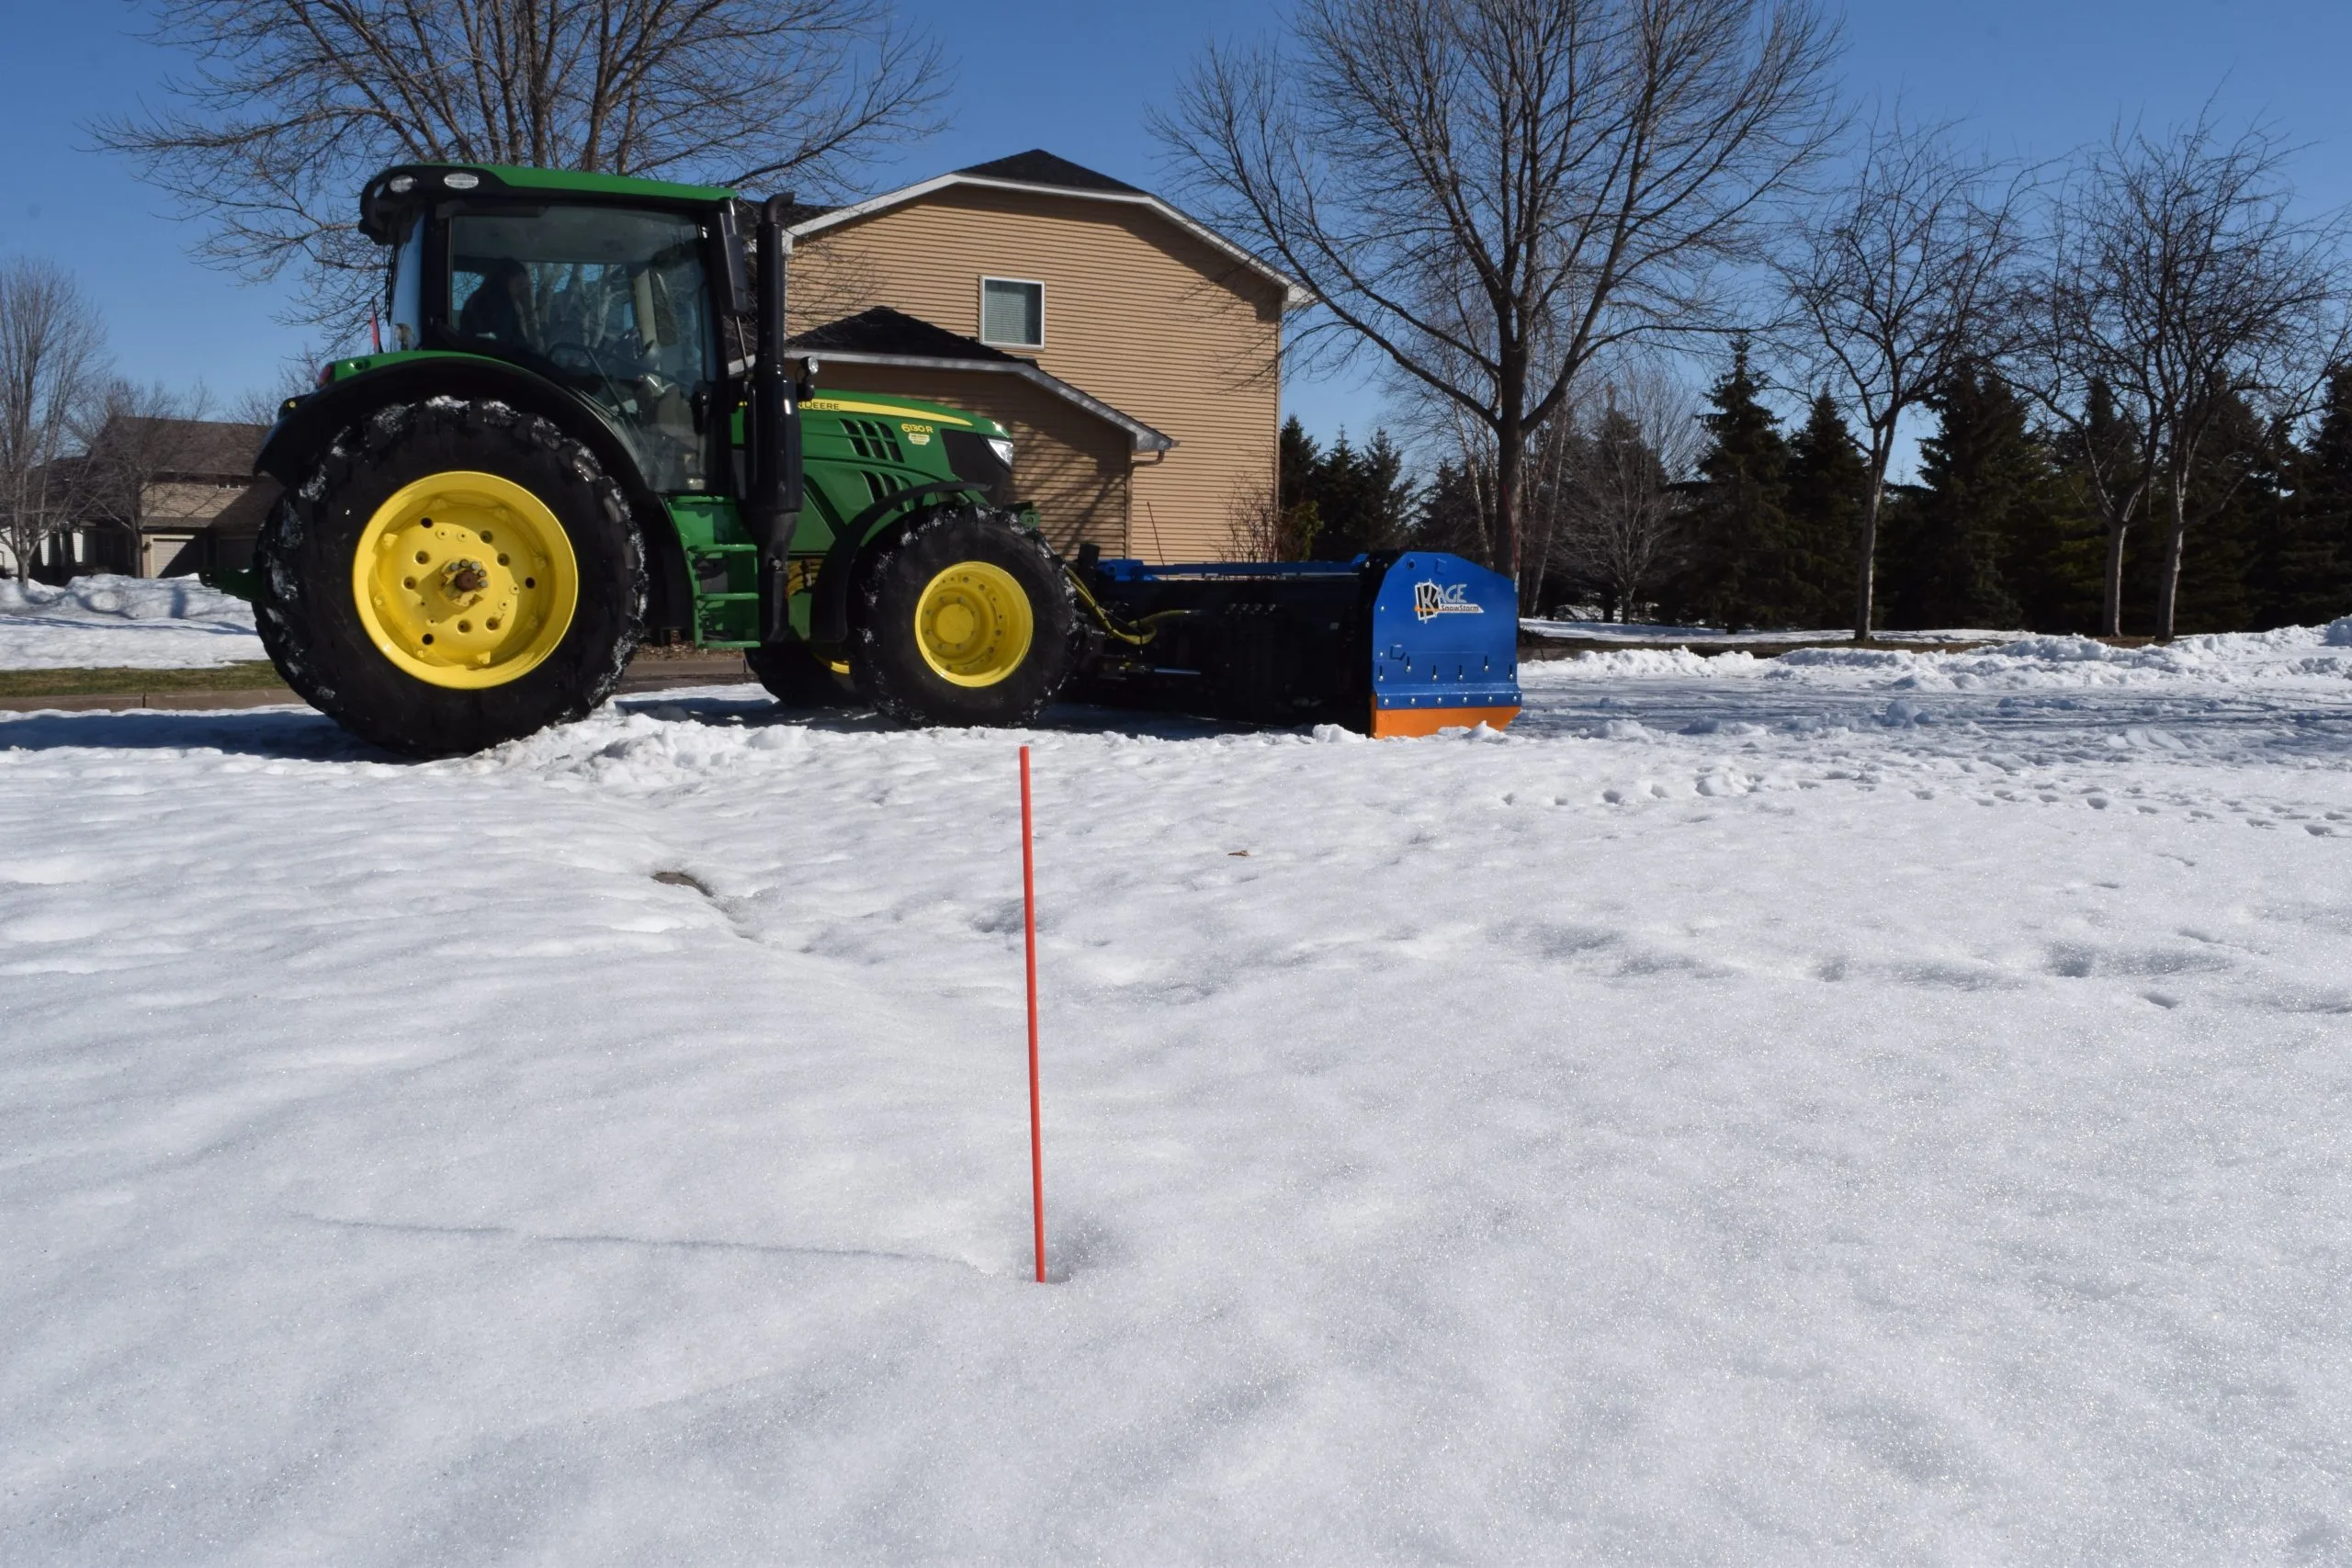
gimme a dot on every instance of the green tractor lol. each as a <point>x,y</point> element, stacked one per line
<point>583,433</point>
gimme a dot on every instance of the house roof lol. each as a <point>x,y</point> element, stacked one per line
<point>884,336</point>
<point>1039,167</point>
<point>796,213</point>
<point>1038,170</point>
<point>200,448</point>
<point>883,331</point>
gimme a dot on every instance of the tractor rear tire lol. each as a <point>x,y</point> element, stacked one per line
<point>962,618</point>
<point>796,678</point>
<point>356,639</point>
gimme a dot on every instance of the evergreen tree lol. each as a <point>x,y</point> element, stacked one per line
<point>1300,456</point>
<point>1451,515</point>
<point>2300,569</point>
<point>1739,522</point>
<point>1289,533</point>
<point>1829,480</point>
<point>1361,499</point>
<point>1338,503</point>
<point>1982,523</point>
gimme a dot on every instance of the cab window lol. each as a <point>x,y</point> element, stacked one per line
<point>403,292</point>
<point>608,300</point>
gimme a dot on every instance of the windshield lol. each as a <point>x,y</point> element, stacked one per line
<point>609,300</point>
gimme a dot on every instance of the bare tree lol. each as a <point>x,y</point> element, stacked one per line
<point>1491,193</point>
<point>1442,426</point>
<point>52,364</point>
<point>2103,441</point>
<point>2177,277</point>
<point>1259,528</point>
<point>291,104</point>
<point>1893,284</point>
<point>1625,528</point>
<point>1553,455</point>
<point>295,374</point>
<point>132,436</point>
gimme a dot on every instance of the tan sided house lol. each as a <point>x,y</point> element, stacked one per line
<point>144,495</point>
<point>1134,354</point>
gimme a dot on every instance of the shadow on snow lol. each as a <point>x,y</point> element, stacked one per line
<point>303,734</point>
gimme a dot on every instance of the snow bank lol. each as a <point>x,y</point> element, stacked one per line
<point>2015,662</point>
<point>104,596</point>
<point>2047,662</point>
<point>131,622</point>
<point>1614,664</point>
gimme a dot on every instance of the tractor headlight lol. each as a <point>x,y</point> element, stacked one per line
<point>400,184</point>
<point>460,180</point>
<point>1003,448</point>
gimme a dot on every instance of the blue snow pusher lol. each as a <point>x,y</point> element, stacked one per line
<point>1403,642</point>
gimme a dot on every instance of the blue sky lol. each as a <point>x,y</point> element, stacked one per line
<point>2033,78</point>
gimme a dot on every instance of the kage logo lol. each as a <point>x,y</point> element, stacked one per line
<point>1431,600</point>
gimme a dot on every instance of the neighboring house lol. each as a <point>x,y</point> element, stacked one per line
<point>146,491</point>
<point>1134,354</point>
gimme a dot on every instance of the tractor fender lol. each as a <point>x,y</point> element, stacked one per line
<point>308,423</point>
<point>829,601</point>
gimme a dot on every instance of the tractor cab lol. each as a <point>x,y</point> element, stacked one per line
<point>598,284</point>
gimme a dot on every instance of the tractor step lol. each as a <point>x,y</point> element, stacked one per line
<point>1397,643</point>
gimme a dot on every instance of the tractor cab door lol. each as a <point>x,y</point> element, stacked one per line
<point>610,301</point>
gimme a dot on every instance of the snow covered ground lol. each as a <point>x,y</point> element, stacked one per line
<point>132,622</point>
<point>1857,1108</point>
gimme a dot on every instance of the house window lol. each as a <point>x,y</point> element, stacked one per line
<point>1012,312</point>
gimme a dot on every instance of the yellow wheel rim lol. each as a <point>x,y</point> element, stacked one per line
<point>974,623</point>
<point>465,580</point>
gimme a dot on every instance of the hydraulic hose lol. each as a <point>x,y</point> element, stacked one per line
<point>1136,633</point>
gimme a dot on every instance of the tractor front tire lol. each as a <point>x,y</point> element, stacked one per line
<point>451,575</point>
<point>962,618</point>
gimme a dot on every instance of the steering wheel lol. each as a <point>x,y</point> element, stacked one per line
<point>577,356</point>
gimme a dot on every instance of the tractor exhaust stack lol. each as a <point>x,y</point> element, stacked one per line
<point>773,508</point>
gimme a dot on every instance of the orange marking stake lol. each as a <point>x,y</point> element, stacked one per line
<point>1029,930</point>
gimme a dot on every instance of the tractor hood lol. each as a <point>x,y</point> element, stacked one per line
<point>905,411</point>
